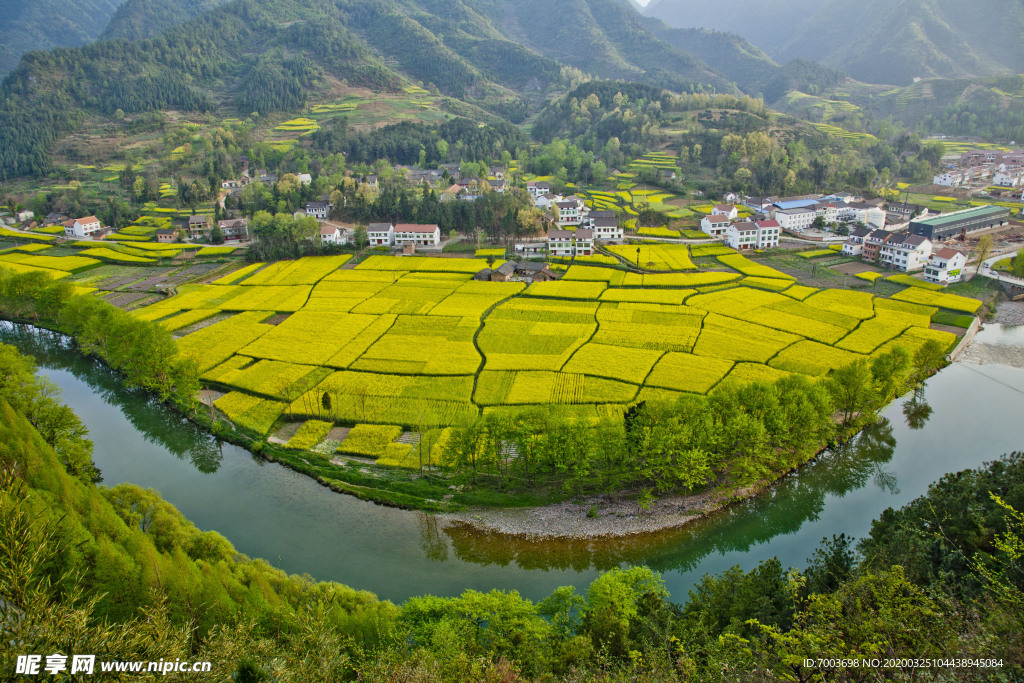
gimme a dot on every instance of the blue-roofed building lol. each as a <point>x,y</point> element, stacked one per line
<point>797,204</point>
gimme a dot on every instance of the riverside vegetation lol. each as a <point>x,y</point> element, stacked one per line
<point>119,573</point>
<point>600,434</point>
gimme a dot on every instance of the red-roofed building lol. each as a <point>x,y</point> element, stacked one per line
<point>82,227</point>
<point>945,266</point>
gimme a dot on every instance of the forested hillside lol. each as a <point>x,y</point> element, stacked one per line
<point>876,42</point>
<point>138,19</point>
<point>44,24</point>
<point>247,56</point>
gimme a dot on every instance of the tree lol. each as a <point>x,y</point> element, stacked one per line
<point>851,387</point>
<point>360,236</point>
<point>928,357</point>
<point>216,235</point>
<point>983,249</point>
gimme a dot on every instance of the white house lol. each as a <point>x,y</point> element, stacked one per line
<point>742,235</point>
<point>566,243</point>
<point>545,200</point>
<point>854,245</point>
<point>378,234</point>
<point>420,235</point>
<point>584,241</point>
<point>1009,178</point>
<point>795,220</point>
<point>538,188</point>
<point>753,235</point>
<point>560,242</point>
<point>716,224</point>
<point>605,225</point>
<point>305,178</point>
<point>25,216</point>
<point>530,248</point>
<point>945,266</point>
<point>767,233</point>
<point>333,233</point>
<point>906,252</point>
<point>570,211</point>
<point>728,209</point>
<point>82,227</point>
<point>318,210</point>
<point>949,179</point>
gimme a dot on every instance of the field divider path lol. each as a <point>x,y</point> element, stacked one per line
<point>597,326</point>
<point>476,345</point>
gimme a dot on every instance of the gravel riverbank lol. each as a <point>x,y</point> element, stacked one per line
<point>598,516</point>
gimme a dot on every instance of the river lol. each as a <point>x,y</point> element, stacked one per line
<point>965,416</point>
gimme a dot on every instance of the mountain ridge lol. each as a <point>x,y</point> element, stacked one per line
<point>894,42</point>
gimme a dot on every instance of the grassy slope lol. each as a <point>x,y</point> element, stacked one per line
<point>199,573</point>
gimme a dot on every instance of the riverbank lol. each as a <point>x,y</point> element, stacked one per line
<point>619,515</point>
<point>600,516</point>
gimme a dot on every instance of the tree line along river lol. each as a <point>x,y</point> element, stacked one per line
<point>965,416</point>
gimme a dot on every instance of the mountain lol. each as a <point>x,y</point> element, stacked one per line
<point>248,56</point>
<point>759,21</point>
<point>884,41</point>
<point>138,19</point>
<point>734,57</point>
<point>43,24</point>
<point>899,41</point>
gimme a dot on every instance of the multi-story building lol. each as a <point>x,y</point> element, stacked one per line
<point>234,228</point>
<point>199,226</point>
<point>570,212</point>
<point>332,233</point>
<point>742,235</point>
<point>605,225</point>
<point>905,251</point>
<point>380,234</point>
<point>950,179</point>
<point>82,227</point>
<point>318,210</point>
<point>854,245</point>
<point>715,224</point>
<point>796,219</point>
<point>420,235</point>
<point>566,243</point>
<point>768,233</point>
<point>538,188</point>
<point>873,242</point>
<point>945,266</point>
<point>753,235</point>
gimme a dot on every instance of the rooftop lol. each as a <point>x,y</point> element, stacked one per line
<point>953,216</point>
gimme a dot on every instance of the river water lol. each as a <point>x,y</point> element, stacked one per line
<point>965,416</point>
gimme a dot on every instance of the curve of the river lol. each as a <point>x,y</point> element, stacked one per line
<point>967,415</point>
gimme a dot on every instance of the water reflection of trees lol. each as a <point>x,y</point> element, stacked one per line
<point>158,423</point>
<point>782,509</point>
<point>916,409</point>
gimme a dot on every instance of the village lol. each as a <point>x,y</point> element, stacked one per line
<point>892,234</point>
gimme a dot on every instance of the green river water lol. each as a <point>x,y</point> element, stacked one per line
<point>965,416</point>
